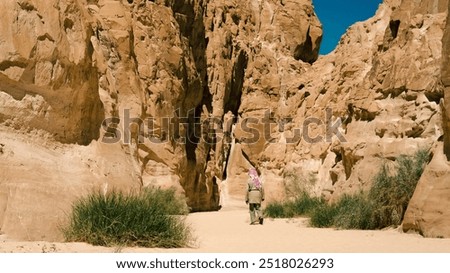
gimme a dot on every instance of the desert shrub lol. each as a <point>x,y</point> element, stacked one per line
<point>302,205</point>
<point>166,200</point>
<point>391,192</point>
<point>323,216</point>
<point>349,212</point>
<point>305,204</point>
<point>386,202</point>
<point>278,210</point>
<point>151,218</point>
<point>383,206</point>
<point>353,212</point>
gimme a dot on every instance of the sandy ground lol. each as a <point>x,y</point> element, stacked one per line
<point>229,231</point>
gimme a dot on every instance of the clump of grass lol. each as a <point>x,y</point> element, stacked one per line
<point>349,212</point>
<point>353,212</point>
<point>278,210</point>
<point>384,205</point>
<point>322,216</point>
<point>151,218</point>
<point>390,194</point>
<point>303,204</point>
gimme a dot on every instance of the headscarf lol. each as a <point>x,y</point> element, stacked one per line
<point>255,178</point>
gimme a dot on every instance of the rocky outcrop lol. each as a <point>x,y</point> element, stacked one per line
<point>382,89</point>
<point>252,55</point>
<point>40,179</point>
<point>385,84</point>
<point>48,96</point>
<point>151,81</point>
<point>427,211</point>
<point>445,76</point>
<point>48,80</point>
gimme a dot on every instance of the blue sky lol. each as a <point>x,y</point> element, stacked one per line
<point>337,15</point>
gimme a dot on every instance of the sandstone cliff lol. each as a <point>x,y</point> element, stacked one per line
<point>98,94</point>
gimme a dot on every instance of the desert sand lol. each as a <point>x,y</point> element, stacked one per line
<point>229,231</point>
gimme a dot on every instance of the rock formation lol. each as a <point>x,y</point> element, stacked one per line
<point>428,212</point>
<point>144,84</point>
<point>123,94</point>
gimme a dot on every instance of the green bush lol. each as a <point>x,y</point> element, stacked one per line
<point>383,206</point>
<point>301,205</point>
<point>305,204</point>
<point>391,193</point>
<point>278,210</point>
<point>350,212</point>
<point>323,216</point>
<point>151,218</point>
<point>353,212</point>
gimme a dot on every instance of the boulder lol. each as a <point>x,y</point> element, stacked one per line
<point>427,212</point>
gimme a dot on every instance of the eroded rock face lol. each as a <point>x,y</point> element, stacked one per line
<point>40,179</point>
<point>428,212</point>
<point>445,76</point>
<point>383,83</point>
<point>48,92</point>
<point>253,54</point>
<point>48,80</point>
<point>196,75</point>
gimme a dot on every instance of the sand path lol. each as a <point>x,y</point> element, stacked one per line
<point>229,231</point>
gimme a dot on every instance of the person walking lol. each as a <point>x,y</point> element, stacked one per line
<point>254,197</point>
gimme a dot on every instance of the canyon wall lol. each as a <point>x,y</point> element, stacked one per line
<point>102,95</point>
<point>98,95</point>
